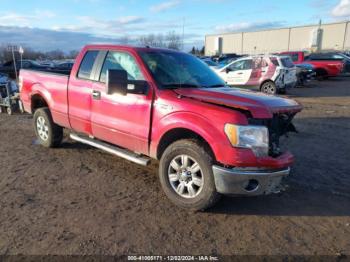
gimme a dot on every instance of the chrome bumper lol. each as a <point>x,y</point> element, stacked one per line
<point>248,182</point>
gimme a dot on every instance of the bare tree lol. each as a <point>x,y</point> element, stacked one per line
<point>31,54</point>
<point>72,54</point>
<point>171,40</point>
<point>124,40</point>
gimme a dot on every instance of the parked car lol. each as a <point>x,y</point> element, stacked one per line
<point>323,68</point>
<point>65,65</point>
<point>213,65</point>
<point>144,103</point>
<point>224,59</point>
<point>62,68</point>
<point>331,56</point>
<point>47,64</point>
<point>305,73</point>
<point>268,74</point>
<point>9,67</point>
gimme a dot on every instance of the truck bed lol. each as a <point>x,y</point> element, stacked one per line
<point>48,85</point>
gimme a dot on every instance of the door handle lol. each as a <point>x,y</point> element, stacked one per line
<point>239,73</point>
<point>96,95</point>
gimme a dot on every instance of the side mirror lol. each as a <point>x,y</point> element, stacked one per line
<point>228,70</point>
<point>117,82</point>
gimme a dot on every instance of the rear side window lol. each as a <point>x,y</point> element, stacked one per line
<point>87,65</point>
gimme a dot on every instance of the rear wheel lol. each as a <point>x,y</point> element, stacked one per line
<point>186,175</point>
<point>48,133</point>
<point>269,88</point>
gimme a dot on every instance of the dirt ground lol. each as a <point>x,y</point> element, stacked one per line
<point>79,200</point>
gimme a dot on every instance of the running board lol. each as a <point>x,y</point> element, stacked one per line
<point>124,153</point>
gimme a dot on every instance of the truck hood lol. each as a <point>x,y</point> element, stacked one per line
<point>258,104</point>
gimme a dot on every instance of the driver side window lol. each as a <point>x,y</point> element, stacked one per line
<point>121,61</point>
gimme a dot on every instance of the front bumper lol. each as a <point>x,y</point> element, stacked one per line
<point>248,182</point>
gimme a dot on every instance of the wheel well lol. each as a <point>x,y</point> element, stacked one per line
<point>38,102</point>
<point>181,133</point>
<point>268,80</point>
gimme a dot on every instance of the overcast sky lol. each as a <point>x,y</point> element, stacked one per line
<point>69,24</point>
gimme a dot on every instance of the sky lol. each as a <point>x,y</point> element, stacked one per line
<point>70,24</point>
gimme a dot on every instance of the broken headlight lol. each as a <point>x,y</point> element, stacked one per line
<point>253,137</point>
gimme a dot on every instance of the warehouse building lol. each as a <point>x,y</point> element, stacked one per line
<point>334,36</point>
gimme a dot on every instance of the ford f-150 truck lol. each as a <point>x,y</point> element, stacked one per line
<point>145,103</point>
<point>323,68</point>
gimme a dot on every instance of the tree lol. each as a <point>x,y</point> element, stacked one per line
<point>202,52</point>
<point>171,40</point>
<point>193,51</point>
<point>124,40</point>
<point>72,54</point>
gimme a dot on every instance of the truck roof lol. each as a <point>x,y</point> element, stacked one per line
<point>129,47</point>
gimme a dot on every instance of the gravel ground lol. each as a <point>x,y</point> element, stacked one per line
<point>76,200</point>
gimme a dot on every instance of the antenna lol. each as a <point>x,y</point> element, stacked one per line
<point>183,34</point>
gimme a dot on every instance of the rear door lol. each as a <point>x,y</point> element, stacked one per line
<point>80,93</point>
<point>121,120</point>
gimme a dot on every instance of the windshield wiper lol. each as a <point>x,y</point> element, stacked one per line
<point>179,85</point>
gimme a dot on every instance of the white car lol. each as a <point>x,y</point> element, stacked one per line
<point>269,74</point>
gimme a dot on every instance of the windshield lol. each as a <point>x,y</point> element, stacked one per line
<point>179,70</point>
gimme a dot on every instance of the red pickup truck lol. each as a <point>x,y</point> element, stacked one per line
<point>323,68</point>
<point>144,103</point>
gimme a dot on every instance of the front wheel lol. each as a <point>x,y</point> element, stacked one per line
<point>48,133</point>
<point>186,175</point>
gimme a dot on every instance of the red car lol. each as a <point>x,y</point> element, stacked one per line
<point>143,103</point>
<point>323,68</point>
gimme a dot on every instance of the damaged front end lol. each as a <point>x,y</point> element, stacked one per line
<point>279,125</point>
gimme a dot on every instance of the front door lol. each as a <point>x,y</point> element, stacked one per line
<point>121,120</point>
<point>239,72</point>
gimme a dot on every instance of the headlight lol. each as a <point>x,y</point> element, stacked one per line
<point>253,137</point>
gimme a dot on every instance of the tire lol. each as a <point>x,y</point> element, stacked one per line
<point>203,196</point>
<point>269,87</point>
<point>48,133</point>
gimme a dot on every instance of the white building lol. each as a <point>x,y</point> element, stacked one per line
<point>334,36</point>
